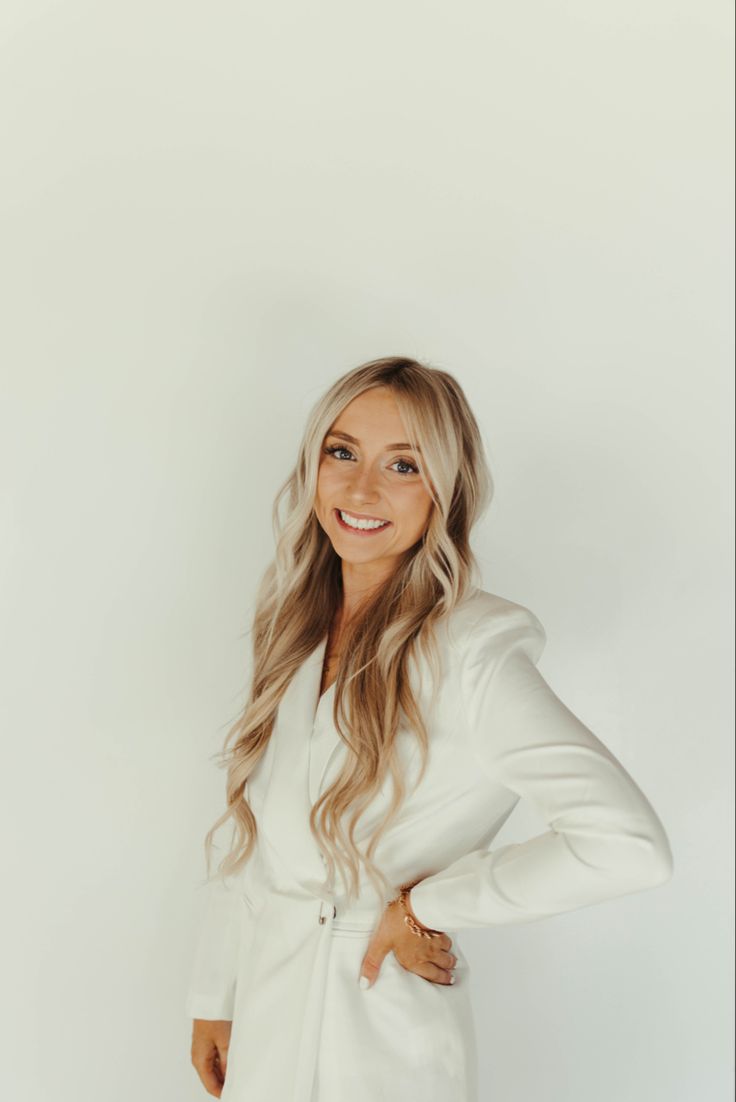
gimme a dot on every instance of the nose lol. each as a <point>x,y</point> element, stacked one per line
<point>361,488</point>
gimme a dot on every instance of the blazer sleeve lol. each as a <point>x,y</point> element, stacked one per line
<point>604,837</point>
<point>211,992</point>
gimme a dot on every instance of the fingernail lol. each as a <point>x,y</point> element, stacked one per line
<point>364,982</point>
<point>452,979</point>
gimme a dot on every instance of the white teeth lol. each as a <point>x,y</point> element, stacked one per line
<point>362,523</point>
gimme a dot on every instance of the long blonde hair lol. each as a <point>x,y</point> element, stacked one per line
<point>301,591</point>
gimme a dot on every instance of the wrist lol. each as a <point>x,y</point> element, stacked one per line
<point>412,912</point>
<point>402,903</point>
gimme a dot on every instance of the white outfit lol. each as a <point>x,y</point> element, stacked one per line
<point>279,952</point>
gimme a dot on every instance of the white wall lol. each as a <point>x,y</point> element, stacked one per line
<point>209,211</point>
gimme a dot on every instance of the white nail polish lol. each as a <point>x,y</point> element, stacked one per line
<point>364,982</point>
<point>452,979</point>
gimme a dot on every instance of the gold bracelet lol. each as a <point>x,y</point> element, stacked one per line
<point>415,926</point>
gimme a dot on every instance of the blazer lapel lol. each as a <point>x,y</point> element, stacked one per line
<point>325,741</point>
<point>303,741</point>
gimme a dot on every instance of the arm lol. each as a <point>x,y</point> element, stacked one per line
<point>211,992</point>
<point>604,837</point>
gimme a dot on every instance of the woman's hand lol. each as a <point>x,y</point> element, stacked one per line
<point>210,1042</point>
<point>427,957</point>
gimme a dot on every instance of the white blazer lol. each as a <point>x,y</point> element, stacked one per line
<point>279,952</point>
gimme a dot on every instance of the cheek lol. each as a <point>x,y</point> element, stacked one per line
<point>416,510</point>
<point>328,482</point>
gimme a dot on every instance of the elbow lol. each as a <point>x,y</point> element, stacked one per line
<point>660,863</point>
<point>663,865</point>
<point>629,858</point>
<point>647,863</point>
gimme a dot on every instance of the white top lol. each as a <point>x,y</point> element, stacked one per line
<point>281,937</point>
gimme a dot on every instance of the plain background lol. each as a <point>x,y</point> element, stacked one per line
<point>209,212</point>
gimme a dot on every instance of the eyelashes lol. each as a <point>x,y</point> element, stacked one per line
<point>332,448</point>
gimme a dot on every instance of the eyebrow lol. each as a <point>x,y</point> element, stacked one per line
<point>389,447</point>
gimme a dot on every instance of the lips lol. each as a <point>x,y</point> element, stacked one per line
<point>364,532</point>
<point>363,516</point>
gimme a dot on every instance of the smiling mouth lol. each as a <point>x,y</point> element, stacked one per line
<point>363,526</point>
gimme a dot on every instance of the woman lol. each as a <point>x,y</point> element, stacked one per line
<point>396,717</point>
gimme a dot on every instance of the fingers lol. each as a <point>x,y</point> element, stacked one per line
<point>445,959</point>
<point>210,1042</point>
<point>371,966</point>
<point>428,959</point>
<point>432,972</point>
<point>221,1061</point>
<point>209,1070</point>
<point>437,950</point>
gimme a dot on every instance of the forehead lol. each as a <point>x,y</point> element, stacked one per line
<point>371,418</point>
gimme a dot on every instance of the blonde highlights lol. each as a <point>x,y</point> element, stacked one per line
<point>300,593</point>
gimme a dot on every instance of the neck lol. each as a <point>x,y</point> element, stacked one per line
<point>359,582</point>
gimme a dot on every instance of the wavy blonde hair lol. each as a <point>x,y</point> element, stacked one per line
<point>301,591</point>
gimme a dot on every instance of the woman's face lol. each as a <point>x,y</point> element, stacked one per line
<point>367,471</point>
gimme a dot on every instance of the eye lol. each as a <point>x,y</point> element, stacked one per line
<point>333,449</point>
<point>337,448</point>
<point>406,463</point>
